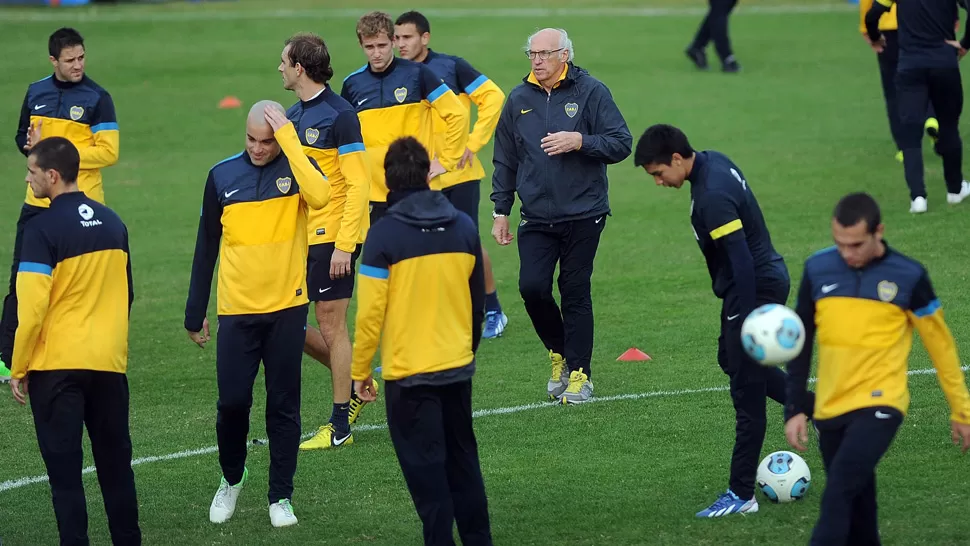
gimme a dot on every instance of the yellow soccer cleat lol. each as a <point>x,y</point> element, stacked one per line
<point>899,156</point>
<point>559,378</point>
<point>579,390</point>
<point>932,128</point>
<point>327,437</point>
<point>356,404</point>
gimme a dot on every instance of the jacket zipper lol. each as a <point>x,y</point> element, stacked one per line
<point>258,181</point>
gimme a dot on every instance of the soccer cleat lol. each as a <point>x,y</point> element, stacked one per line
<point>918,206</point>
<point>899,156</point>
<point>224,502</point>
<point>357,405</point>
<point>698,57</point>
<point>559,379</point>
<point>730,65</point>
<point>495,322</point>
<point>729,503</point>
<point>932,128</point>
<point>281,514</point>
<point>4,373</point>
<point>954,198</point>
<point>326,438</point>
<point>579,390</point>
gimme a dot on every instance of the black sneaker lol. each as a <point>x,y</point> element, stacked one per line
<point>731,66</point>
<point>698,57</point>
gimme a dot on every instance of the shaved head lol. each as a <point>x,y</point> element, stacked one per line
<point>261,143</point>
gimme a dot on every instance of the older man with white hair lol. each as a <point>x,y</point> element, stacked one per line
<point>254,218</point>
<point>559,130</point>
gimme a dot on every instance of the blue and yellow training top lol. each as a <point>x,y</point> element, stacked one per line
<point>81,112</point>
<point>398,102</point>
<point>421,293</point>
<point>74,290</point>
<point>330,133</point>
<point>260,215</point>
<point>864,320</point>
<point>471,86</point>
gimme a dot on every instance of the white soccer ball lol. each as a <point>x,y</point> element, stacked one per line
<point>783,476</point>
<point>772,335</point>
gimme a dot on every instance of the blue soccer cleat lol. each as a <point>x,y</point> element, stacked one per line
<point>729,503</point>
<point>495,322</point>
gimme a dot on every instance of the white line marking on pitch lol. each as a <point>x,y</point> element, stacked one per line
<point>22,482</point>
<point>188,15</point>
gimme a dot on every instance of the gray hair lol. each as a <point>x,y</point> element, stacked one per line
<point>564,42</point>
<point>256,113</point>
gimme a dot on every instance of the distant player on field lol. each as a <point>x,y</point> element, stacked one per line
<point>888,56</point>
<point>928,73</point>
<point>68,104</point>
<point>862,299</point>
<point>329,131</point>
<point>394,98</point>
<point>746,272</point>
<point>412,33</point>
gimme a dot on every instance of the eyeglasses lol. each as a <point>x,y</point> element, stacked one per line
<point>544,55</point>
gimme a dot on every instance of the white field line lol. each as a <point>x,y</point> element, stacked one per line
<point>22,482</point>
<point>189,14</point>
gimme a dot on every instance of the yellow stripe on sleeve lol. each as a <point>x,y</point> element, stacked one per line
<point>726,229</point>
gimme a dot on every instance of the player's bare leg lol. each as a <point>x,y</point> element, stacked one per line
<point>316,346</point>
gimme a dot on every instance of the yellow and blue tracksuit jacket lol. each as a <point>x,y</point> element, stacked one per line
<point>398,102</point>
<point>471,86</point>
<point>886,22</point>
<point>259,213</point>
<point>864,320</point>
<point>421,293</point>
<point>74,290</point>
<point>81,112</point>
<point>330,133</point>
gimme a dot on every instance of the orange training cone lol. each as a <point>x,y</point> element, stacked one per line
<point>633,355</point>
<point>230,102</point>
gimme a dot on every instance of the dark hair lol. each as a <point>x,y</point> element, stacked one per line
<point>373,24</point>
<point>310,52</point>
<point>659,143</point>
<point>61,39</point>
<point>59,154</point>
<point>415,18</point>
<point>406,165</point>
<point>856,207</point>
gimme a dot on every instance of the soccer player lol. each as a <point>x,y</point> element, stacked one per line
<point>862,299</point>
<point>67,104</point>
<point>395,97</point>
<point>928,73</point>
<point>255,204</point>
<point>560,176</point>
<point>888,56</point>
<point>715,27</point>
<point>746,272</point>
<point>412,34</point>
<point>74,292</point>
<point>422,296</point>
<point>329,131</point>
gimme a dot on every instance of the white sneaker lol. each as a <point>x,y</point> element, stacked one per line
<point>954,198</point>
<point>918,205</point>
<point>281,514</point>
<point>224,503</point>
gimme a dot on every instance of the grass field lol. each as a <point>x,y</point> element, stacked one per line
<point>804,119</point>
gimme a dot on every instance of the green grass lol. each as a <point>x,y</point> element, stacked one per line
<point>806,122</point>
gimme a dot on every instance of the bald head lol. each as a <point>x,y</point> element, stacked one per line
<point>261,143</point>
<point>550,39</point>
<point>549,50</point>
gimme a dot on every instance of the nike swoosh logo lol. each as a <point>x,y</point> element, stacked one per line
<point>39,106</point>
<point>881,415</point>
<point>598,220</point>
<point>322,290</point>
<point>229,193</point>
<point>361,101</point>
<point>732,317</point>
<point>337,442</point>
<point>525,111</point>
<point>829,287</point>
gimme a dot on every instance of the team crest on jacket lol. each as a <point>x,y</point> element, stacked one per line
<point>886,290</point>
<point>283,184</point>
<point>312,135</point>
<point>572,109</point>
<point>76,112</point>
<point>401,93</point>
